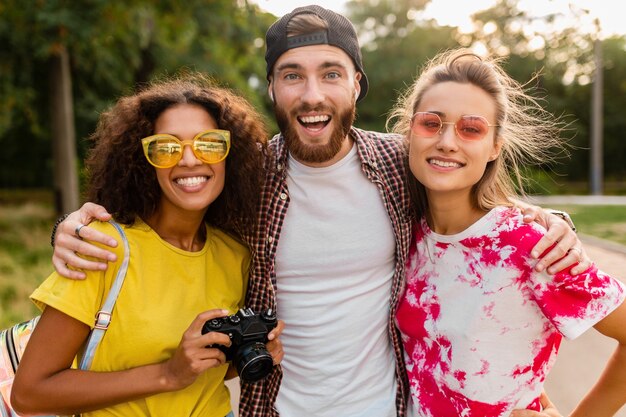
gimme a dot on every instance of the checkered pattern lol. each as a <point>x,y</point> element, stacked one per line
<point>382,162</point>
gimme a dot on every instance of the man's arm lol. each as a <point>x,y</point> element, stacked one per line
<point>67,244</point>
<point>561,245</point>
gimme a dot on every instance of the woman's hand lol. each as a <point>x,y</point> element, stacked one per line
<point>548,409</point>
<point>193,356</point>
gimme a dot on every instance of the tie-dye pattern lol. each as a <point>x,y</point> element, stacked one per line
<point>481,329</point>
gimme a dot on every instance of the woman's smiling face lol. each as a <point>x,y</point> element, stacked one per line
<point>191,185</point>
<point>445,163</point>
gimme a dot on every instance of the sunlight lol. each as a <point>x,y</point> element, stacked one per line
<point>457,14</point>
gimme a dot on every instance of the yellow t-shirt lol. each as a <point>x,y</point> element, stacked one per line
<point>164,290</point>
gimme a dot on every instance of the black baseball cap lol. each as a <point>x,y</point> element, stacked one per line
<point>340,33</point>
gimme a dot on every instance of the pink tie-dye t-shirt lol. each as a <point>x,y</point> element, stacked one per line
<point>480,327</point>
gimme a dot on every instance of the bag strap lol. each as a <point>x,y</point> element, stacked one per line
<point>103,317</point>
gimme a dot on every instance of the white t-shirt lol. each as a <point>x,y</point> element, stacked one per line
<point>480,328</point>
<point>335,263</point>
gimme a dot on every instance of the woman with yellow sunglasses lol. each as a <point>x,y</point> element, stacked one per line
<point>179,166</point>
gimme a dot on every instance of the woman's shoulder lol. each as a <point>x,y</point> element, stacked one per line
<point>512,229</point>
<point>111,230</point>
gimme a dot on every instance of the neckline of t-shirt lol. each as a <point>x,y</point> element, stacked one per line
<point>145,226</point>
<point>472,230</point>
<point>299,166</point>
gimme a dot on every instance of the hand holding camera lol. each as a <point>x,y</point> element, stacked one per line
<point>191,357</point>
<point>248,333</point>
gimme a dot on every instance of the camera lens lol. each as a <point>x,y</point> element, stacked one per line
<point>253,362</point>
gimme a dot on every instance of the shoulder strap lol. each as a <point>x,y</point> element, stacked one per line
<point>103,317</point>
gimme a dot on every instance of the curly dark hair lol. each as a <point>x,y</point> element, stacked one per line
<point>122,180</point>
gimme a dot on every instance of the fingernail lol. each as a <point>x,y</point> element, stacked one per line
<point>111,258</point>
<point>534,254</point>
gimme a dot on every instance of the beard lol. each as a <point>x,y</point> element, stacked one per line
<point>314,153</point>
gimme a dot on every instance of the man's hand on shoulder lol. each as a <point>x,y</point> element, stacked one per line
<point>72,237</point>
<point>560,248</point>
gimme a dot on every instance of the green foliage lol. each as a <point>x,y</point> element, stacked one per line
<point>565,64</point>
<point>395,50</point>
<point>541,182</point>
<point>614,52</point>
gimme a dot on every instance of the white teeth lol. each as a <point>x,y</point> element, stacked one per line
<point>445,164</point>
<point>190,181</point>
<point>314,119</point>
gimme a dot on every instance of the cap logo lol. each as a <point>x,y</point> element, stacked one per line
<point>315,38</point>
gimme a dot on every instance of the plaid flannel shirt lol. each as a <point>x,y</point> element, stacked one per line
<point>382,162</point>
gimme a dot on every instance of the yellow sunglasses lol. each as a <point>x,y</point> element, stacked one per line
<point>164,151</point>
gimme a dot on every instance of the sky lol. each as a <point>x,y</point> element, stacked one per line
<point>457,12</point>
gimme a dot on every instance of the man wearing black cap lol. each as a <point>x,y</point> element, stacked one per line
<point>333,232</point>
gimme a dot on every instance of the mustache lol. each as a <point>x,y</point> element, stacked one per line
<point>319,108</point>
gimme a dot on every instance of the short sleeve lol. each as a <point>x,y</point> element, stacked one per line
<point>80,299</point>
<point>576,303</point>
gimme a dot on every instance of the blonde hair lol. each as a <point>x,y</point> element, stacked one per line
<point>529,134</point>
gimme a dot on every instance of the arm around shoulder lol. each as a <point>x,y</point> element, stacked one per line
<point>70,239</point>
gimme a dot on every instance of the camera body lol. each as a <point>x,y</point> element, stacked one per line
<point>248,333</point>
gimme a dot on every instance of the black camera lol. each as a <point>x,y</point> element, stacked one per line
<point>248,333</point>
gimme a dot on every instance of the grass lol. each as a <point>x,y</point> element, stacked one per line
<point>25,257</point>
<point>605,222</point>
<point>26,219</point>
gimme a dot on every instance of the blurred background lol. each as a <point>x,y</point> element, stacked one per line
<point>63,62</point>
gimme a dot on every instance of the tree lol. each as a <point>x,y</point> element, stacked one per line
<point>563,55</point>
<point>113,48</point>
<point>63,132</point>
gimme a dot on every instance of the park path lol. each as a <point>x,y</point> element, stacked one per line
<point>580,361</point>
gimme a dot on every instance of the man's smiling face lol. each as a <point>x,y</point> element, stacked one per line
<point>315,89</point>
